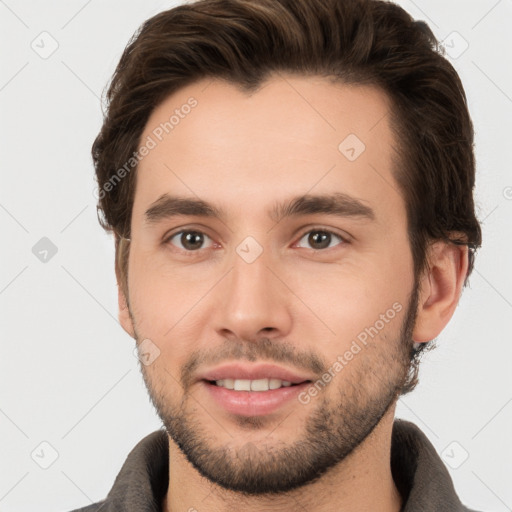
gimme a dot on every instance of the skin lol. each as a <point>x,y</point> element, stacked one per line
<point>243,153</point>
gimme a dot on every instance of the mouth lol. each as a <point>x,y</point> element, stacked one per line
<point>255,389</point>
<point>259,400</point>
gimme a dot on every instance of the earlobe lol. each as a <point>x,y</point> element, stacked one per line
<point>440,289</point>
<point>125,318</point>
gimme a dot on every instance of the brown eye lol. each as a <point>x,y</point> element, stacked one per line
<point>189,240</point>
<point>320,239</point>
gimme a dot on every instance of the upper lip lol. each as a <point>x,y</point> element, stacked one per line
<point>252,372</point>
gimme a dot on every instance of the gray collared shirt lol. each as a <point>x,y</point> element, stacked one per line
<point>418,472</point>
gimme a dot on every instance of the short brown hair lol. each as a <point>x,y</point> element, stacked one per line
<point>368,42</point>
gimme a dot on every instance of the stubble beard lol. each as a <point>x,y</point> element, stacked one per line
<point>333,429</point>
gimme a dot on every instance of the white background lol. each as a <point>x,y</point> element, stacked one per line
<point>68,376</point>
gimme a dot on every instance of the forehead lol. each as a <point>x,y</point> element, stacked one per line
<point>292,136</point>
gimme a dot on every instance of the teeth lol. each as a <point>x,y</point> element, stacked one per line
<point>274,383</point>
<point>259,385</point>
<point>228,383</point>
<point>252,385</point>
<point>242,385</point>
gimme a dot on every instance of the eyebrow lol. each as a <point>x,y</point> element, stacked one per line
<point>338,204</point>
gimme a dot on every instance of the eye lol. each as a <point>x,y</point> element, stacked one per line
<point>320,239</point>
<point>190,240</point>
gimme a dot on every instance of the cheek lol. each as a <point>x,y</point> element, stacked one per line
<point>364,305</point>
<point>169,308</point>
<point>352,296</point>
<point>162,295</point>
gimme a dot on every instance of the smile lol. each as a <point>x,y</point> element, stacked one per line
<point>257,397</point>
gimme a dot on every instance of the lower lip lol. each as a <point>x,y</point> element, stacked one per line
<point>253,403</point>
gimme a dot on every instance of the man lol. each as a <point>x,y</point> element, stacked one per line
<point>290,188</point>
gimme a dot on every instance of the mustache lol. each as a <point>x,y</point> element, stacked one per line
<point>264,349</point>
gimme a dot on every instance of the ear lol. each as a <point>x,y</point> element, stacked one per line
<point>124,313</point>
<point>440,289</point>
<point>121,267</point>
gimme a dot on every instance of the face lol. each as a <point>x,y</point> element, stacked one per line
<point>270,277</point>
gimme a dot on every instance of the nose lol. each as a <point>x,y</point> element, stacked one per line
<point>252,302</point>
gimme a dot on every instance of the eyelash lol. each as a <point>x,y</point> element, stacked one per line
<point>343,240</point>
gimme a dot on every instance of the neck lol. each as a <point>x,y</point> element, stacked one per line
<point>363,481</point>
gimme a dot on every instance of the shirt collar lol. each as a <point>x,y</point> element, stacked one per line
<point>419,473</point>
